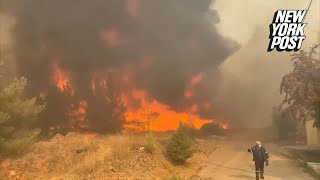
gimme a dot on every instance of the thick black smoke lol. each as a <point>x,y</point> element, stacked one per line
<point>178,37</point>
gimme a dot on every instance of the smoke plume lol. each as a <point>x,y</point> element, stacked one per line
<point>164,44</point>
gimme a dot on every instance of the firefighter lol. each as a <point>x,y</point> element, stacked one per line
<point>260,156</point>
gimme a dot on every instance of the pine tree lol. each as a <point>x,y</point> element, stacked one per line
<point>17,115</point>
<point>181,145</point>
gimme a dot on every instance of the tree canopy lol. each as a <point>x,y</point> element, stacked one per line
<point>302,86</point>
<point>17,114</point>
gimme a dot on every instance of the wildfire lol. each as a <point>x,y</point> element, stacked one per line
<point>78,115</point>
<point>120,63</point>
<point>142,110</point>
<point>97,81</point>
<point>196,80</point>
<point>61,78</point>
<point>167,119</point>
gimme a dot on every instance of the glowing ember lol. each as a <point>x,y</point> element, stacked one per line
<point>78,115</point>
<point>98,81</point>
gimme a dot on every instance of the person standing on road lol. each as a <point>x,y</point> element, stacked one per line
<point>260,156</point>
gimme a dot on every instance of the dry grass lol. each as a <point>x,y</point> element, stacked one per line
<point>75,154</point>
<point>108,149</point>
<point>78,156</point>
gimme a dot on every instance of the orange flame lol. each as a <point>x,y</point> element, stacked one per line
<point>61,78</point>
<point>78,115</point>
<point>98,81</point>
<point>167,118</point>
<point>140,105</point>
<point>143,112</point>
<point>196,80</point>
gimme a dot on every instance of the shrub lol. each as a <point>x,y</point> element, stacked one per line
<point>190,130</point>
<point>284,124</point>
<point>212,129</point>
<point>181,145</point>
<point>151,143</point>
<point>20,143</point>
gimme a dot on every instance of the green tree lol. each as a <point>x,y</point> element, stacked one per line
<point>302,86</point>
<point>283,123</point>
<point>17,115</point>
<point>181,145</point>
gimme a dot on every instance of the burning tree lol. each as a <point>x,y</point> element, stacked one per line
<point>105,108</point>
<point>138,40</point>
<point>58,116</point>
<point>302,86</point>
<point>17,114</point>
<point>99,109</point>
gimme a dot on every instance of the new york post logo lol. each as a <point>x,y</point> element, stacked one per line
<point>287,30</point>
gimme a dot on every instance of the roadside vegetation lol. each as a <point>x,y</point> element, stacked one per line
<point>181,145</point>
<point>301,87</point>
<point>285,126</point>
<point>212,129</point>
<point>85,156</point>
<point>17,114</point>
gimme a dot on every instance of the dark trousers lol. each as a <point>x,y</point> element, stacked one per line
<point>259,166</point>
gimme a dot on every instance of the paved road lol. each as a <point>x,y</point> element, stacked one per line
<point>232,161</point>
